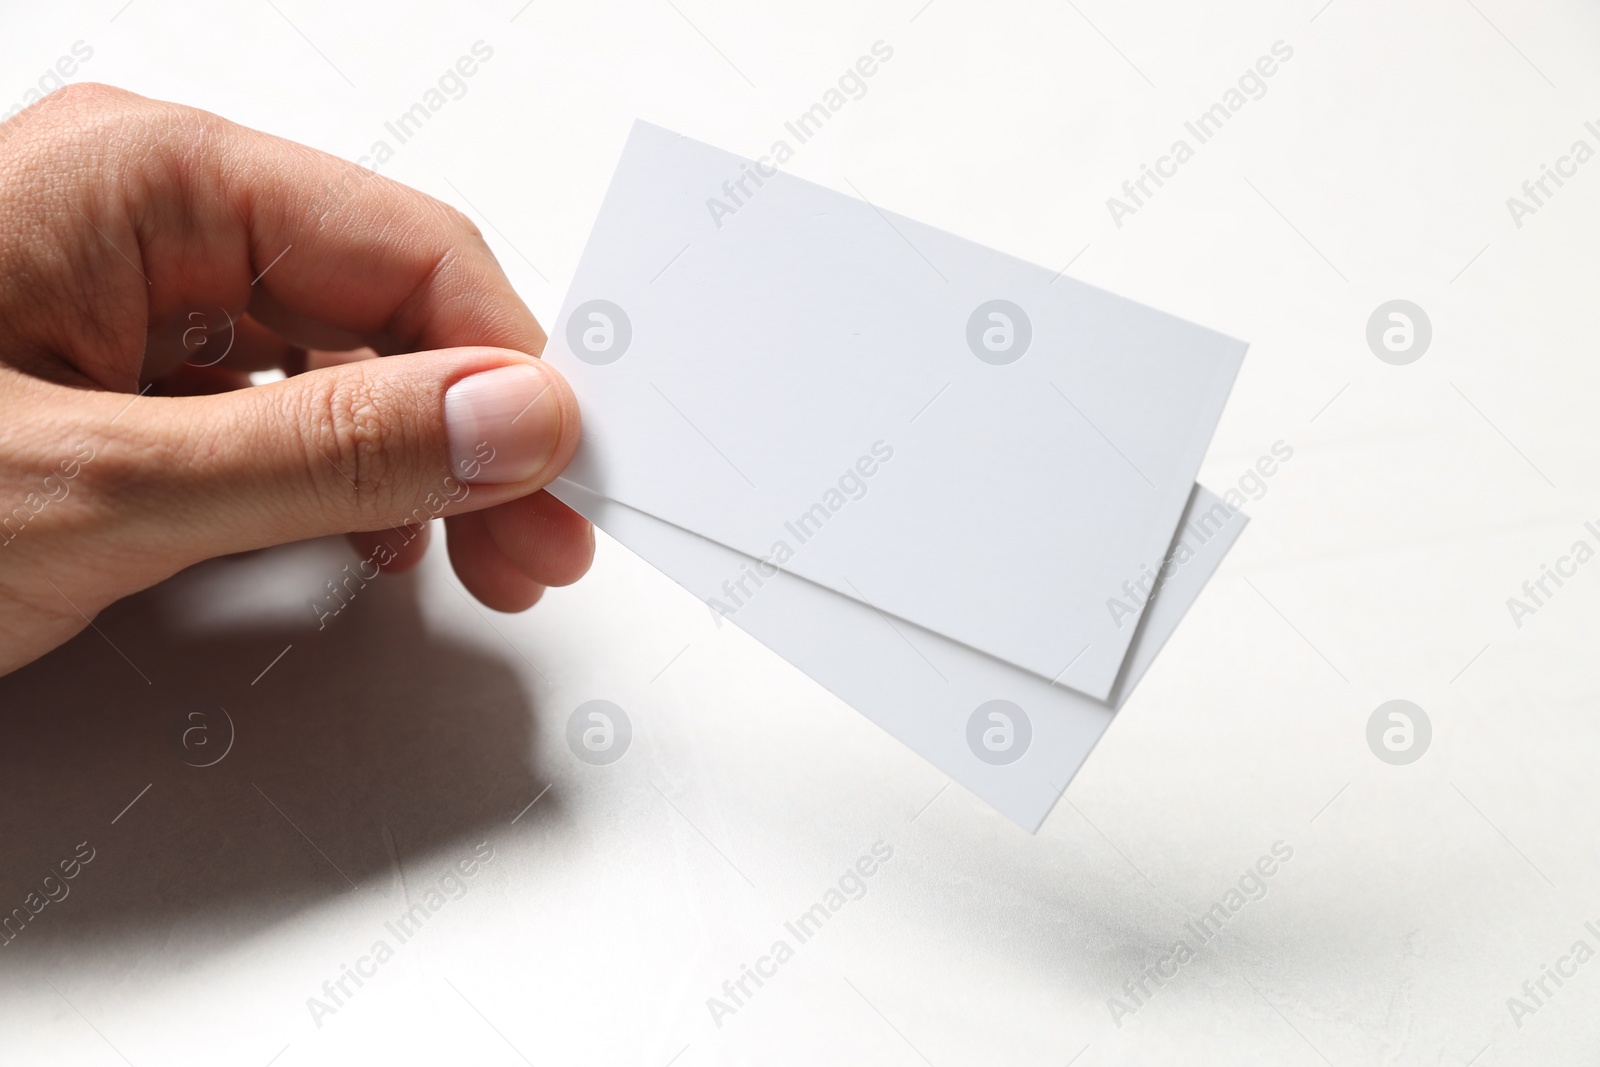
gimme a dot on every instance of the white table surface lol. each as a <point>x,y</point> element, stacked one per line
<point>380,750</point>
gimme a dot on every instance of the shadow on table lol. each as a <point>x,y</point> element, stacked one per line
<point>371,747</point>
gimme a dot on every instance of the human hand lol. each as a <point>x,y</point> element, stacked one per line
<point>138,240</point>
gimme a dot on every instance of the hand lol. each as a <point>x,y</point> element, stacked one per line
<point>151,256</point>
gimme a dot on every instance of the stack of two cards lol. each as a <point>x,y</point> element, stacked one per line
<point>955,488</point>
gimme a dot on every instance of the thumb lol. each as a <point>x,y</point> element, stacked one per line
<point>362,446</point>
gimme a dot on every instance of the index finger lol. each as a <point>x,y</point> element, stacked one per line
<point>188,209</point>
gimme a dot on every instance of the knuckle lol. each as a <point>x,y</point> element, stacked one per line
<point>468,234</point>
<point>96,113</point>
<point>360,446</point>
<point>53,490</point>
<point>87,126</point>
<point>459,221</point>
<point>88,98</point>
<point>442,215</point>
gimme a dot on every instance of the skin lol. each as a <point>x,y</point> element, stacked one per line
<point>122,219</point>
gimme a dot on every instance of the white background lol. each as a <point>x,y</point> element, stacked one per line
<point>381,749</point>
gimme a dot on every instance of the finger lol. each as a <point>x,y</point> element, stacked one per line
<point>484,569</point>
<point>317,358</point>
<point>214,339</point>
<point>155,209</point>
<point>246,345</point>
<point>543,538</point>
<point>368,445</point>
<point>199,381</point>
<point>393,551</point>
